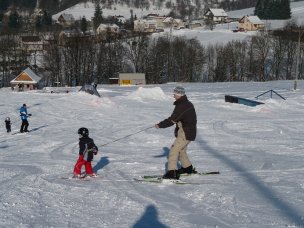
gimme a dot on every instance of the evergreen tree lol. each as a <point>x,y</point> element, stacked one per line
<point>276,10</point>
<point>131,20</point>
<point>26,3</point>
<point>83,24</point>
<point>4,5</point>
<point>14,20</point>
<point>267,9</point>
<point>273,9</point>
<point>46,18</point>
<point>97,19</point>
<point>38,22</point>
<point>258,10</point>
<point>286,11</point>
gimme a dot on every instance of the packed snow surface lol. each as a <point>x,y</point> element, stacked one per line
<point>258,151</point>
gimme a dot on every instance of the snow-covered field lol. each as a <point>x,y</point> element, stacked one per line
<point>258,150</point>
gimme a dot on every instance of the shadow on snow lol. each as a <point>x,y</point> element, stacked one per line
<point>149,219</point>
<point>285,208</point>
<point>166,151</point>
<point>102,163</point>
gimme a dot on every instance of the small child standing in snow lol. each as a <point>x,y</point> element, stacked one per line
<point>8,124</point>
<point>87,150</point>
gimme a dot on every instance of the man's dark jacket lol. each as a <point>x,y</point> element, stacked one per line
<point>184,112</point>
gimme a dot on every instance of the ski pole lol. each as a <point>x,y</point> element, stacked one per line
<point>127,136</point>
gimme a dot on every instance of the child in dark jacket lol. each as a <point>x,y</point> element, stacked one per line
<point>8,124</point>
<point>87,150</point>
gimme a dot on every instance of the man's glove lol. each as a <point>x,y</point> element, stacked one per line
<point>95,151</point>
<point>29,114</point>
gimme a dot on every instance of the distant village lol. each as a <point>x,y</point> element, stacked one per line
<point>29,78</point>
<point>155,23</point>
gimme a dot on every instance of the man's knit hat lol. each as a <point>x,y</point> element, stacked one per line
<point>180,91</point>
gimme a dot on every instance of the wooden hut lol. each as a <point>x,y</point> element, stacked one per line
<point>26,80</point>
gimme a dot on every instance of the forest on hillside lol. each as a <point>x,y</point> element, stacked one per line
<point>55,6</point>
<point>79,60</point>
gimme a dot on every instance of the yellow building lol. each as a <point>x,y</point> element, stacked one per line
<point>132,79</point>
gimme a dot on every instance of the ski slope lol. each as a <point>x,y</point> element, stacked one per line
<point>258,150</point>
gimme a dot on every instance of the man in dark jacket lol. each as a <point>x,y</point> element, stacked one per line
<point>184,117</point>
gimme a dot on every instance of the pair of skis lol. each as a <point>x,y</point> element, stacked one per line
<point>82,177</point>
<point>152,178</point>
<point>160,179</point>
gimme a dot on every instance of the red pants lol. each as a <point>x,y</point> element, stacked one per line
<point>80,162</point>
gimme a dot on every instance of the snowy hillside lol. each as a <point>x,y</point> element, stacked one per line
<point>87,10</point>
<point>258,151</point>
<point>297,14</point>
<point>221,34</point>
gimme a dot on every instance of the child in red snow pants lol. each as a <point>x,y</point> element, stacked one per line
<point>80,162</point>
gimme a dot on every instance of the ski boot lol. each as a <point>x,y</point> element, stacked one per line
<point>187,170</point>
<point>171,174</point>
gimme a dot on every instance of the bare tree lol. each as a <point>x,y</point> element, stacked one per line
<point>210,65</point>
<point>278,55</point>
<point>262,45</point>
<point>52,60</point>
<point>136,51</point>
<point>110,58</point>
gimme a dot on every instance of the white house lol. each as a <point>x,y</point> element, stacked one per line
<point>152,25</point>
<point>143,25</point>
<point>216,15</point>
<point>103,28</point>
<point>171,22</point>
<point>31,43</point>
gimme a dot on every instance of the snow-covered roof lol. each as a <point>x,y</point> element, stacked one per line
<point>143,21</point>
<point>168,19</point>
<point>255,20</point>
<point>219,12</point>
<point>34,77</point>
<point>105,26</point>
<point>67,17</point>
<point>121,19</point>
<point>151,21</point>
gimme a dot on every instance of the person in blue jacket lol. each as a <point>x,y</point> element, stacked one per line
<point>24,115</point>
